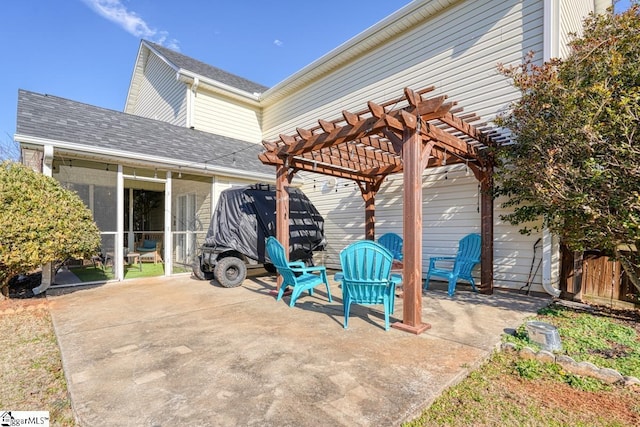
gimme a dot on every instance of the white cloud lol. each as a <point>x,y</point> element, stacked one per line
<point>116,12</point>
<point>278,42</point>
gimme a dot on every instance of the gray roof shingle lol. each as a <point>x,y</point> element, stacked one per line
<point>58,119</point>
<point>206,70</point>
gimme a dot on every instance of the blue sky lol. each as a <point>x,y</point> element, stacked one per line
<point>85,50</point>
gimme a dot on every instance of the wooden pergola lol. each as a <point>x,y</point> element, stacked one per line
<point>403,135</point>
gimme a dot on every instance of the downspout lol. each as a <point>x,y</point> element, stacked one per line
<point>550,50</point>
<point>550,25</point>
<point>191,94</point>
<point>48,274</point>
<point>548,279</point>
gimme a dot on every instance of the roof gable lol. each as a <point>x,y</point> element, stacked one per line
<point>184,62</point>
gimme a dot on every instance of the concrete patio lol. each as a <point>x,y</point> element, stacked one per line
<point>178,351</point>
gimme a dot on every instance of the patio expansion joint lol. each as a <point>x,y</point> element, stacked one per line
<point>461,343</point>
<point>148,377</point>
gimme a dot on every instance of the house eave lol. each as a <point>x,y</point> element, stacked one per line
<point>141,160</point>
<point>397,23</point>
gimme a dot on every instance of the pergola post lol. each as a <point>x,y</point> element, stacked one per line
<point>282,212</point>
<point>369,215</point>
<point>412,234</point>
<point>486,230</point>
<point>368,191</point>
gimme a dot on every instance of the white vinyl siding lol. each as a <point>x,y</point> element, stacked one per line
<point>134,87</point>
<point>225,116</point>
<point>161,96</point>
<point>572,14</point>
<point>450,211</point>
<point>458,52</point>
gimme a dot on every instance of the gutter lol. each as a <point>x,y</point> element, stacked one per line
<point>397,23</point>
<point>196,80</point>
<point>143,160</point>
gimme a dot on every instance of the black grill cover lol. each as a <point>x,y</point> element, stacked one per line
<point>246,216</point>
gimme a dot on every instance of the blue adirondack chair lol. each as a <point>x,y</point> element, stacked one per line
<point>393,243</point>
<point>468,256</point>
<point>295,273</point>
<point>366,278</point>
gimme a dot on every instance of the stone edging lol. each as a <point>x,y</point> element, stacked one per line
<point>607,375</point>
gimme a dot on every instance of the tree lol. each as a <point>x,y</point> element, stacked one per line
<point>575,162</point>
<point>9,149</point>
<point>40,222</point>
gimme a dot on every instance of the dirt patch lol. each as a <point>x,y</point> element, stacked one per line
<point>620,405</point>
<point>617,351</point>
<point>12,306</point>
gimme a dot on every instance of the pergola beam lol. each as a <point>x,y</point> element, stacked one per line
<point>336,136</point>
<point>308,165</point>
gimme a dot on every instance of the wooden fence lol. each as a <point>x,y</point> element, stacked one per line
<point>593,277</point>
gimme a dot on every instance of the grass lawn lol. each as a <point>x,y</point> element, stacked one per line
<point>30,364</point>
<point>510,391</point>
<point>93,274</point>
<point>148,270</point>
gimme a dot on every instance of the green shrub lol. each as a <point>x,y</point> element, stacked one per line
<point>40,222</point>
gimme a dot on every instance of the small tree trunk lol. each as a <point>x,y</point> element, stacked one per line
<point>578,268</point>
<point>630,268</point>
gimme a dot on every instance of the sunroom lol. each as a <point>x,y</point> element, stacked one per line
<point>147,183</point>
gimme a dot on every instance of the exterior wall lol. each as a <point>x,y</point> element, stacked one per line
<point>457,51</point>
<point>450,211</point>
<point>572,13</point>
<point>32,159</point>
<point>200,187</point>
<point>225,116</point>
<point>160,95</point>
